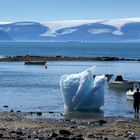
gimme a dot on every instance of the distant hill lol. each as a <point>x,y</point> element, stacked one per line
<point>76,30</point>
<point>4,36</point>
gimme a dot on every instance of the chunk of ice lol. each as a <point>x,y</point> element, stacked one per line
<point>82,91</point>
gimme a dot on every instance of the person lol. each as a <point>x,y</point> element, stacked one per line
<point>136,97</point>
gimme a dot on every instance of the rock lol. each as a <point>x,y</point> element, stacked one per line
<point>79,135</point>
<point>12,132</point>
<point>105,138</point>
<point>130,133</point>
<point>91,136</point>
<point>11,110</point>
<point>64,132</point>
<point>72,126</point>
<point>51,112</point>
<point>91,123</point>
<point>29,136</point>
<point>1,135</point>
<point>77,138</point>
<point>39,113</point>
<point>116,135</point>
<point>67,120</point>
<point>132,138</point>
<point>127,135</point>
<point>3,129</point>
<point>101,122</point>
<point>19,138</point>
<point>58,56</point>
<point>62,138</point>
<point>5,106</point>
<point>31,113</point>
<point>53,134</point>
<point>19,133</point>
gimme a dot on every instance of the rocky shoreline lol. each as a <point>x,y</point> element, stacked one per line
<point>61,58</point>
<point>16,126</point>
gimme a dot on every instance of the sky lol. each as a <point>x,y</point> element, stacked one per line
<point>54,10</point>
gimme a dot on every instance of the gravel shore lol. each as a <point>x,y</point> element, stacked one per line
<point>17,126</point>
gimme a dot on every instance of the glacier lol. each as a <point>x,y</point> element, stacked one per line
<point>81,91</point>
<point>72,30</point>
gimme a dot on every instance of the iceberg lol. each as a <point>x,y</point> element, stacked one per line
<point>82,91</point>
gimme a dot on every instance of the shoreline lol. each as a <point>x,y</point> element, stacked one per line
<point>61,58</point>
<point>15,126</point>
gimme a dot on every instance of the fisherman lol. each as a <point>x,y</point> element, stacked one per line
<point>136,97</point>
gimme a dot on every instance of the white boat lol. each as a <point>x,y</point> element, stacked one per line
<point>124,85</point>
<point>130,93</point>
<point>121,84</point>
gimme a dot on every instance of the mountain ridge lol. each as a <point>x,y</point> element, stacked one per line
<point>72,30</point>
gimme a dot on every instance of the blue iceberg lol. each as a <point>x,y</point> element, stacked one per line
<point>81,91</point>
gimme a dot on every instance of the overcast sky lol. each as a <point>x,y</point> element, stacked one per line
<point>50,10</point>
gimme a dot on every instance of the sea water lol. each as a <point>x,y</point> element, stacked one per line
<point>85,49</point>
<point>34,88</point>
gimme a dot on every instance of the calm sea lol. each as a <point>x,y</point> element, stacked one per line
<point>125,50</point>
<point>34,88</point>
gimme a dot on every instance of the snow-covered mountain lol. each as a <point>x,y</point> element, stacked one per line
<point>75,30</point>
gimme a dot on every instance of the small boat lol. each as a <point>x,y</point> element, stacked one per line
<point>35,63</point>
<point>108,76</point>
<point>120,83</point>
<point>125,85</point>
<point>130,93</point>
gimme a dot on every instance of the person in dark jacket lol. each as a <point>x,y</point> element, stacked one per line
<point>136,97</point>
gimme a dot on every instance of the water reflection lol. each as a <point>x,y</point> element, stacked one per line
<point>80,114</point>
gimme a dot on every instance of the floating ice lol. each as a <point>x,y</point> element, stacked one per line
<point>82,91</point>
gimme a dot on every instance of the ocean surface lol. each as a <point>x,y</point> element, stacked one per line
<point>122,50</point>
<point>34,88</point>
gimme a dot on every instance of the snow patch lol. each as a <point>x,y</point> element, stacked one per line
<point>68,31</point>
<point>24,23</point>
<point>99,31</point>
<point>57,25</point>
<point>117,32</point>
<point>3,23</point>
<point>118,23</point>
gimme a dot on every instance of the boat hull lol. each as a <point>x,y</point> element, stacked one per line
<point>35,62</point>
<point>124,85</point>
<point>129,95</point>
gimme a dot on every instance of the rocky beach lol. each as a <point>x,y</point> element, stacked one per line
<point>17,126</point>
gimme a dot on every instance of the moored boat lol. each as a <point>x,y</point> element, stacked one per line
<point>121,84</point>
<point>125,85</point>
<point>130,93</point>
<point>35,63</point>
